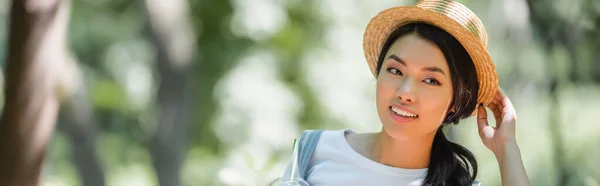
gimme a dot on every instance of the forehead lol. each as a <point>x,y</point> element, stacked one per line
<point>417,51</point>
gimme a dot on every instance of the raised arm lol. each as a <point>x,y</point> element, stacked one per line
<point>501,140</point>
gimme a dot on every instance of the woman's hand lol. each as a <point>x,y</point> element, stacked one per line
<point>497,138</point>
<point>501,139</point>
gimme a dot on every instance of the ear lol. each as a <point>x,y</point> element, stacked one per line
<point>452,109</point>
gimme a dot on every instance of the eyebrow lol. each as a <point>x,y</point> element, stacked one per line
<point>430,69</point>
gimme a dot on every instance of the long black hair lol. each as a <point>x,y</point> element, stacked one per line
<point>450,163</point>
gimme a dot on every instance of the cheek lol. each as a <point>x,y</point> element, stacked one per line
<point>385,91</point>
<point>436,103</point>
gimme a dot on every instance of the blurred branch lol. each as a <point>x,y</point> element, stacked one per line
<point>174,39</point>
<point>36,51</point>
<point>80,126</point>
<point>555,131</point>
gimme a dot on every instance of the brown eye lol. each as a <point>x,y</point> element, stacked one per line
<point>432,81</point>
<point>394,71</point>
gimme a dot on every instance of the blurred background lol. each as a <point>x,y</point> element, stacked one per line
<point>212,92</point>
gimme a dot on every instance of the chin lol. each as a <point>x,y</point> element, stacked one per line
<point>412,130</point>
<point>399,132</point>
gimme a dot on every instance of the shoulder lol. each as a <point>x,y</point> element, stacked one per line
<point>333,144</point>
<point>322,141</point>
<point>336,139</point>
<point>476,183</point>
<point>323,135</point>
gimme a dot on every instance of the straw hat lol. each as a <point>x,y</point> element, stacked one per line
<point>451,16</point>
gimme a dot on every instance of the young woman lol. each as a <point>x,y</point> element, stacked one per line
<point>432,69</point>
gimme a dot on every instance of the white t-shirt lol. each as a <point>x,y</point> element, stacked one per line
<point>335,163</point>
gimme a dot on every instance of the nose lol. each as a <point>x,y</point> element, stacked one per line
<point>406,91</point>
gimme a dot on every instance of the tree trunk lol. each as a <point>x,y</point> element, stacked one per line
<point>556,134</point>
<point>174,39</point>
<point>36,49</point>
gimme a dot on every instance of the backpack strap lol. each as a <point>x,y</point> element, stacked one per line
<point>307,145</point>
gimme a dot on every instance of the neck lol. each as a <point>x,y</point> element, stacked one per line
<point>411,153</point>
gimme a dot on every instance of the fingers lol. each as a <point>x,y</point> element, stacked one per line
<point>509,112</point>
<point>504,112</point>
<point>485,131</point>
<point>481,118</point>
<point>505,100</point>
<point>497,110</point>
<point>496,100</point>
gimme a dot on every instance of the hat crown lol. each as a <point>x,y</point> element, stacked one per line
<point>459,13</point>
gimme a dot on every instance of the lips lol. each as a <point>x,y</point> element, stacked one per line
<point>402,114</point>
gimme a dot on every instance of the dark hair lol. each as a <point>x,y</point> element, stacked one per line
<point>450,163</point>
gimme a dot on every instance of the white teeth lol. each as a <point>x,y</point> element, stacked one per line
<point>403,113</point>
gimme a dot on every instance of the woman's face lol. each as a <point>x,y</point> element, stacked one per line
<point>414,88</point>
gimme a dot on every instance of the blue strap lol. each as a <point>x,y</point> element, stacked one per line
<point>307,146</point>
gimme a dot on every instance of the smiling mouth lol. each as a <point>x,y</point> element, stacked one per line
<point>403,113</point>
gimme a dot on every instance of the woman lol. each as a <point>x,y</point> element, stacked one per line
<point>432,69</point>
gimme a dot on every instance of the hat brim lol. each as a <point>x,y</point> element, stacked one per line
<point>382,25</point>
